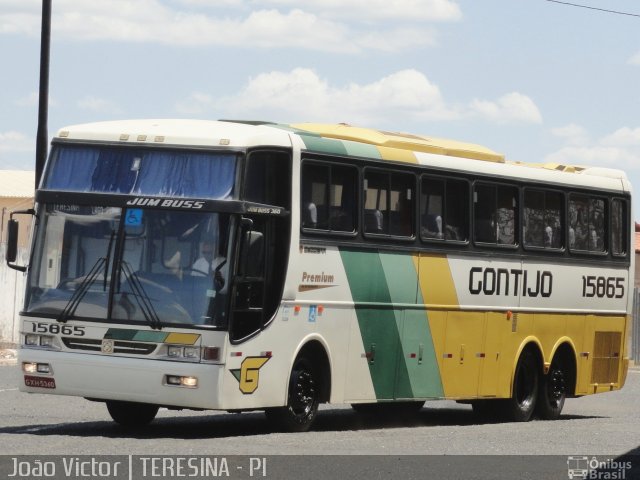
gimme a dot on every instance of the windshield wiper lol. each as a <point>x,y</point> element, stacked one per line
<point>107,259</point>
<point>72,305</point>
<point>143,300</point>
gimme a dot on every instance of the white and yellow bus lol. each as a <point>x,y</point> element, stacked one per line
<point>252,266</point>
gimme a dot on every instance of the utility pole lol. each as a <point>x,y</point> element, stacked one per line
<point>43,102</point>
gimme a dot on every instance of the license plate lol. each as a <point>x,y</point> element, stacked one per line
<point>39,382</point>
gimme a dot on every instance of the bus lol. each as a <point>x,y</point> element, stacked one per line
<point>240,266</point>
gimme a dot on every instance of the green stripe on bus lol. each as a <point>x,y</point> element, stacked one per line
<point>399,339</point>
<point>416,344</point>
<point>324,145</point>
<point>364,150</point>
<point>120,334</point>
<point>135,335</point>
<point>379,325</point>
<point>143,336</point>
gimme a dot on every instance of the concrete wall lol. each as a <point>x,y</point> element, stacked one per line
<point>8,205</point>
<point>12,282</point>
<point>12,285</point>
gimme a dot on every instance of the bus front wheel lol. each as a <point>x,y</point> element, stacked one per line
<point>131,414</point>
<point>303,399</point>
<point>521,405</point>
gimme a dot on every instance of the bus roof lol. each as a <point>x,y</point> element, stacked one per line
<point>338,139</point>
<point>402,141</point>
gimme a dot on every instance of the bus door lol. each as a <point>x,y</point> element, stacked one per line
<point>461,363</point>
<point>502,284</point>
<point>418,375</point>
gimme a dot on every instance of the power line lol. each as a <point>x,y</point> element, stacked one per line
<point>594,8</point>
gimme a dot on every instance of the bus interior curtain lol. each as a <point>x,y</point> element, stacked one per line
<point>200,175</point>
<point>179,174</point>
<point>73,169</point>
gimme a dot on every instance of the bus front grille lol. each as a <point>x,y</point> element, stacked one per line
<point>94,345</point>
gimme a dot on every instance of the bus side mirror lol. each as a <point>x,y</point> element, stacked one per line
<point>12,245</point>
<point>251,254</point>
<point>12,240</point>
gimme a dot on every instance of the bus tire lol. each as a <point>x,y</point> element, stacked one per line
<point>131,414</point>
<point>303,399</point>
<point>553,392</point>
<point>521,405</point>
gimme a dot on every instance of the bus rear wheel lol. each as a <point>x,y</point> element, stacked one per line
<point>303,399</point>
<point>553,392</point>
<point>131,414</point>
<point>521,405</point>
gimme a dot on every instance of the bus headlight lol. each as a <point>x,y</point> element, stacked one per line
<point>174,351</point>
<point>44,341</point>
<point>183,352</point>
<point>33,367</point>
<point>191,352</point>
<point>181,381</point>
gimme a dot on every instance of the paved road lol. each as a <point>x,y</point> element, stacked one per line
<point>607,424</point>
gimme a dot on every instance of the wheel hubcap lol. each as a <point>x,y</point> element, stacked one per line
<point>556,386</point>
<point>303,396</point>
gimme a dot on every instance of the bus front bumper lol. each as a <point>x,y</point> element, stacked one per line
<point>104,377</point>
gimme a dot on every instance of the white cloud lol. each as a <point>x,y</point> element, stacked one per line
<point>96,104</point>
<point>597,155</point>
<point>416,10</point>
<point>623,137</point>
<point>512,107</point>
<point>572,134</point>
<point>195,104</point>
<point>302,95</point>
<point>13,141</point>
<point>32,100</point>
<point>16,150</point>
<point>619,149</point>
<point>634,60</point>
<point>162,22</point>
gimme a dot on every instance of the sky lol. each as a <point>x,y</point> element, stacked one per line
<point>536,80</point>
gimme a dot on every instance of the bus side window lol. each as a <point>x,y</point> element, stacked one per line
<point>444,206</point>
<point>388,202</point>
<point>542,223</point>
<point>457,211</point>
<point>328,197</point>
<point>495,214</point>
<point>619,229</point>
<point>432,209</point>
<point>484,219</point>
<point>587,221</point>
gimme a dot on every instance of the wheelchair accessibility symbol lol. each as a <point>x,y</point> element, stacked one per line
<point>134,217</point>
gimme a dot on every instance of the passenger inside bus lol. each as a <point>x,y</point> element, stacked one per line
<point>207,264</point>
<point>310,215</point>
<point>432,226</point>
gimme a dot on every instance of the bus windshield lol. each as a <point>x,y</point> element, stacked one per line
<point>130,265</point>
<point>138,171</point>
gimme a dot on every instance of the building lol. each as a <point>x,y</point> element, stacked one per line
<point>16,193</point>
